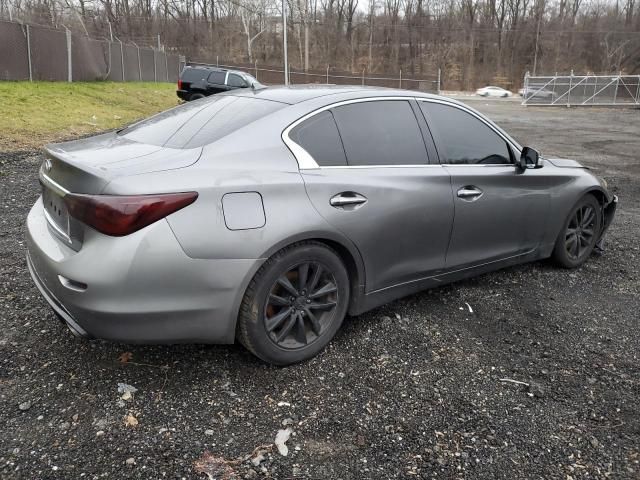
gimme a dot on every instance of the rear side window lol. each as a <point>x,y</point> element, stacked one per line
<point>319,136</point>
<point>193,74</point>
<point>217,77</point>
<point>464,139</point>
<point>236,81</point>
<point>195,124</point>
<point>383,132</point>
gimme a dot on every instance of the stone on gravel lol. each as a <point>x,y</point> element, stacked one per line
<point>24,406</point>
<point>281,439</point>
<point>130,461</point>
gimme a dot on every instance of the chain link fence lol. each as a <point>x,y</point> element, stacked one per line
<point>581,90</point>
<point>30,52</point>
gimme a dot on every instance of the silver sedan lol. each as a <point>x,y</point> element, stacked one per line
<point>268,215</point>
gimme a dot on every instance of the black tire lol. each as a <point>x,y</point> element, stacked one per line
<point>269,306</point>
<point>579,233</point>
<point>195,96</point>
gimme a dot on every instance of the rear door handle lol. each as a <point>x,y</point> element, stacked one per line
<point>470,193</point>
<point>347,199</point>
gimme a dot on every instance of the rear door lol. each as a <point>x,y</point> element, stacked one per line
<point>366,169</point>
<point>216,82</point>
<point>500,211</point>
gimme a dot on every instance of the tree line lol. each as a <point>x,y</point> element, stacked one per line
<point>473,42</point>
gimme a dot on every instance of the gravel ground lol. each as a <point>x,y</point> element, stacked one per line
<point>411,389</point>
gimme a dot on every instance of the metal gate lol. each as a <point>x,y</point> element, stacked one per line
<point>577,90</point>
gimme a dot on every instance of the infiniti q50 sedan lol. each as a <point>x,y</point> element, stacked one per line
<point>268,215</point>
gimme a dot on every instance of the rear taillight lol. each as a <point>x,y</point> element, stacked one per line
<point>179,84</point>
<point>119,215</point>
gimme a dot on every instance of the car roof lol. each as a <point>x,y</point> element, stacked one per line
<point>299,93</point>
<point>212,68</point>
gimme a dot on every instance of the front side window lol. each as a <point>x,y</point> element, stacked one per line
<point>464,139</point>
<point>381,132</point>
<point>236,81</point>
<point>319,136</point>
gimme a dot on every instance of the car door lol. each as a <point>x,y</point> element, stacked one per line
<point>500,210</point>
<point>216,82</point>
<point>367,172</point>
<point>235,81</point>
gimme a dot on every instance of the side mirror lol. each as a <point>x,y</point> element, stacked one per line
<point>529,158</point>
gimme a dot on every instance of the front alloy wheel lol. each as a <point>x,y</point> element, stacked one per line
<point>295,304</point>
<point>580,233</point>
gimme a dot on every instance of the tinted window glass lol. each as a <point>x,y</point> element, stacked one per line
<point>193,74</point>
<point>319,136</point>
<point>217,77</point>
<point>227,115</point>
<point>236,81</point>
<point>195,124</point>
<point>462,138</point>
<point>383,132</point>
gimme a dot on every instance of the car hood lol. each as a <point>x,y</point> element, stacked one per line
<point>114,156</point>
<point>565,163</point>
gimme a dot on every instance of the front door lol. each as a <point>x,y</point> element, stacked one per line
<point>500,211</point>
<point>375,184</point>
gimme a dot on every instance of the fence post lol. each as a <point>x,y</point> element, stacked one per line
<point>155,71</point>
<point>29,54</point>
<point>328,76</point>
<point>438,81</point>
<point>615,92</point>
<point>569,91</point>
<point>69,61</point>
<point>217,61</point>
<point>363,77</point>
<point>121,57</point>
<point>139,66</point>
<point>638,90</point>
<point>256,68</point>
<point>166,65</point>
<point>400,78</point>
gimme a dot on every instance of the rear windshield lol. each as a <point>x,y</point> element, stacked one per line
<point>194,74</point>
<point>200,122</point>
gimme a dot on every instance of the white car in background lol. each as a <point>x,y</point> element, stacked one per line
<point>493,92</point>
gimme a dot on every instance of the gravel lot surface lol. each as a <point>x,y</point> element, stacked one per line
<point>409,390</point>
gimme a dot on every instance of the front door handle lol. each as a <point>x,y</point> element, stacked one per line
<point>347,199</point>
<point>470,193</point>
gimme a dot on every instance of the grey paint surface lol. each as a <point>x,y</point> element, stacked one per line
<point>182,278</point>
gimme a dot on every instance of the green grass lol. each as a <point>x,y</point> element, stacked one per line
<point>35,113</point>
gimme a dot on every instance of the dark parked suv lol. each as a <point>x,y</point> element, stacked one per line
<point>200,81</point>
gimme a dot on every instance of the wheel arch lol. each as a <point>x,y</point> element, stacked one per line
<point>346,250</point>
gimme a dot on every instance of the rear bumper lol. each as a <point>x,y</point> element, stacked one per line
<point>141,288</point>
<point>183,94</point>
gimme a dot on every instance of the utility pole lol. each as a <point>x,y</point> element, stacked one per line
<point>284,42</point>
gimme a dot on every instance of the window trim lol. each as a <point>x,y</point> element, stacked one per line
<point>509,141</point>
<point>307,162</point>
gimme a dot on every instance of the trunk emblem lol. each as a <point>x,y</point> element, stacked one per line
<point>47,165</point>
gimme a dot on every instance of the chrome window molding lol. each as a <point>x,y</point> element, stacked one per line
<point>307,162</point>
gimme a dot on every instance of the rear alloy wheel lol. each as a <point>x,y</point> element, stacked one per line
<point>579,234</point>
<point>196,96</point>
<point>295,304</point>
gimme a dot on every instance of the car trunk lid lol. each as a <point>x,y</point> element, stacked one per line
<point>87,166</point>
